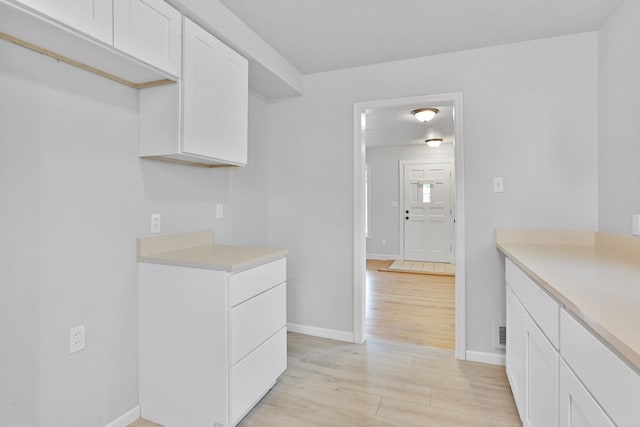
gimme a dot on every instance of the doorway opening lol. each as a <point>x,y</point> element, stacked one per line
<point>430,195</point>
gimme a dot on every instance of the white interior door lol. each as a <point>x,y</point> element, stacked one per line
<point>428,212</point>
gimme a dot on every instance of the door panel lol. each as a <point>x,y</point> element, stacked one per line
<point>428,213</point>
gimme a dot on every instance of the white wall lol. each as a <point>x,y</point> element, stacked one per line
<point>384,188</point>
<point>619,127</point>
<point>74,198</point>
<point>529,116</point>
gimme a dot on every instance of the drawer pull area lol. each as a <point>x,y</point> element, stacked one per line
<point>611,382</point>
<point>249,283</point>
<point>254,321</point>
<point>254,375</point>
<point>542,308</point>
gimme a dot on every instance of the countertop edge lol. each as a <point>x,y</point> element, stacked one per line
<point>605,336</point>
<point>234,268</point>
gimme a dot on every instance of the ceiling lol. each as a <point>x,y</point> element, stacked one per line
<point>325,35</point>
<point>317,36</point>
<point>395,126</point>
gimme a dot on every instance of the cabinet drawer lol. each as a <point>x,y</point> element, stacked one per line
<point>249,283</point>
<point>252,378</point>
<point>577,406</point>
<point>542,308</point>
<point>612,383</point>
<point>254,321</point>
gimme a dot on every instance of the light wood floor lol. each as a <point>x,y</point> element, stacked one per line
<point>410,308</point>
<point>381,383</point>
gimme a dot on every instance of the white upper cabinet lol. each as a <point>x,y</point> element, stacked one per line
<point>92,17</point>
<point>148,33</point>
<point>215,89</point>
<point>149,30</point>
<point>203,119</point>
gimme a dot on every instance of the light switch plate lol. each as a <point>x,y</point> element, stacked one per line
<point>635,224</point>
<point>156,223</point>
<point>498,184</point>
<point>219,211</point>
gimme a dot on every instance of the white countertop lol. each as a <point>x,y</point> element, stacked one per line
<point>595,275</point>
<point>197,250</point>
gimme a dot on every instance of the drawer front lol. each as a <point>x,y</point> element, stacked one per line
<point>250,283</point>
<point>254,375</point>
<point>542,308</point>
<point>254,321</point>
<point>612,383</point>
<point>577,406</point>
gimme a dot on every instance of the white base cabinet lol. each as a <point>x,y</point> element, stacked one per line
<point>541,378</point>
<point>515,363</point>
<point>211,343</point>
<point>577,407</point>
<point>532,361</point>
<point>560,373</point>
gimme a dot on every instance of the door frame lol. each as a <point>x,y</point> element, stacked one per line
<point>359,237</point>
<point>420,161</point>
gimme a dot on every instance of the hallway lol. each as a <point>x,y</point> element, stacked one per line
<point>410,308</point>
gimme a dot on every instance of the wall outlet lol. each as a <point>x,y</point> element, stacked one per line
<point>156,223</point>
<point>383,242</point>
<point>76,339</point>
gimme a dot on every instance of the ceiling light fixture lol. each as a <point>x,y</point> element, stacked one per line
<point>425,114</point>
<point>433,142</point>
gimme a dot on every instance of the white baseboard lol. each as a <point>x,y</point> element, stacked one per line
<point>321,332</point>
<point>383,257</point>
<point>125,419</point>
<point>491,358</point>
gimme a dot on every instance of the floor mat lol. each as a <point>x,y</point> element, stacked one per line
<point>419,267</point>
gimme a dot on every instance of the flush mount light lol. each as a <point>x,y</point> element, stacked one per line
<point>433,142</point>
<point>425,114</point>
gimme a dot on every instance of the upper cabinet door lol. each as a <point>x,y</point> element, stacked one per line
<point>215,98</point>
<point>92,17</point>
<point>149,30</point>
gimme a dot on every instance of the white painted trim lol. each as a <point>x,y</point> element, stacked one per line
<point>359,239</point>
<point>320,332</point>
<point>384,257</point>
<point>460,248</point>
<point>491,358</point>
<point>125,419</point>
<point>359,235</point>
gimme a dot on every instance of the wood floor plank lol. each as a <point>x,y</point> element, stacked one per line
<point>410,308</point>
<point>330,383</point>
<point>381,384</point>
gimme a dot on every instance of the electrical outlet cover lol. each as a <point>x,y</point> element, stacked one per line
<point>76,339</point>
